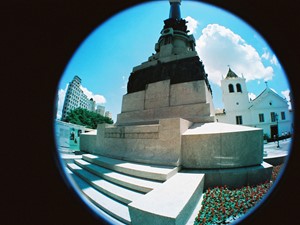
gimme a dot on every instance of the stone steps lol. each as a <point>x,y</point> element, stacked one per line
<point>137,184</point>
<point>137,194</point>
<point>114,191</point>
<point>159,173</point>
<point>171,203</point>
<point>113,210</point>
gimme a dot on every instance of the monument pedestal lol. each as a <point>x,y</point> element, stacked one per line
<point>173,125</point>
<point>167,122</point>
<point>160,100</point>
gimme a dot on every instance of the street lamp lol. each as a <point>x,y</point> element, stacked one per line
<point>276,118</point>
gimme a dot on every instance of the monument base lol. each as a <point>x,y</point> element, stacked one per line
<point>161,100</point>
<point>179,142</point>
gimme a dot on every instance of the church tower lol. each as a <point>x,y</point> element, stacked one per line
<point>235,98</point>
<point>234,92</point>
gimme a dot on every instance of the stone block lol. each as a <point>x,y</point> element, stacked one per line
<point>194,112</point>
<point>160,100</point>
<point>188,93</point>
<point>157,94</point>
<point>154,144</point>
<point>170,204</point>
<point>219,145</point>
<point>237,177</point>
<point>234,178</point>
<point>141,129</point>
<point>260,173</point>
<point>133,101</point>
<point>201,151</point>
<point>88,140</point>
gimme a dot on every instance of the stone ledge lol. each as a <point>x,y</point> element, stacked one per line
<point>132,132</point>
<point>103,202</point>
<point>159,173</point>
<point>220,145</point>
<point>236,177</point>
<point>170,204</point>
<point>134,183</point>
<point>192,111</point>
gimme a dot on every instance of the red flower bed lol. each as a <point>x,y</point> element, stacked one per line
<point>275,172</point>
<point>221,205</point>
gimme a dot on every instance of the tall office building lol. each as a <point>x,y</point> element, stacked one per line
<point>75,98</point>
<point>100,110</point>
<point>108,114</point>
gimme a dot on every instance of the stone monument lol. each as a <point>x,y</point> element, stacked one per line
<point>167,116</point>
<point>166,131</point>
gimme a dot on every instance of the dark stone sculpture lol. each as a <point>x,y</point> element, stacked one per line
<point>179,71</point>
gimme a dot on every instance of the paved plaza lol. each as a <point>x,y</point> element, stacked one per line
<point>273,151</point>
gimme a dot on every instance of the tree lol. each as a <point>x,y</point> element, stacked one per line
<point>86,118</point>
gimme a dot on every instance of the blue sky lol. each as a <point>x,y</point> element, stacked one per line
<point>106,57</point>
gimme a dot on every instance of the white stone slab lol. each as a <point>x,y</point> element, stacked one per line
<point>161,173</point>
<point>220,145</point>
<point>134,183</point>
<point>213,128</point>
<point>121,194</point>
<point>105,203</point>
<point>171,203</point>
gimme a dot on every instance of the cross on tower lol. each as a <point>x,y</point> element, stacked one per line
<point>266,82</point>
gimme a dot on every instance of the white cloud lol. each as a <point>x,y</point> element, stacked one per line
<point>99,99</point>
<point>274,60</point>
<point>192,24</point>
<point>218,47</point>
<point>60,101</point>
<point>251,96</point>
<point>124,85</point>
<point>266,54</point>
<point>286,94</point>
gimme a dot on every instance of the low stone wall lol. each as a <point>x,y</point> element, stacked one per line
<point>179,142</point>
<point>220,145</point>
<point>88,141</point>
<point>153,144</point>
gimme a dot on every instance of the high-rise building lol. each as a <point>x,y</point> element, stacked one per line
<point>108,114</point>
<point>75,98</point>
<point>100,110</point>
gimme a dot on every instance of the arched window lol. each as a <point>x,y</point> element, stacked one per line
<point>238,88</point>
<point>230,87</point>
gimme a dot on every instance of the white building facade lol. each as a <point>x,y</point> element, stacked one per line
<point>268,111</point>
<point>75,98</point>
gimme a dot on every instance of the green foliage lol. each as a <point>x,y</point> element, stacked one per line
<point>86,118</point>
